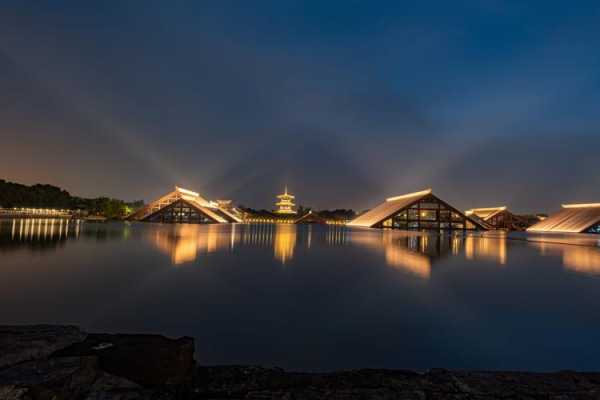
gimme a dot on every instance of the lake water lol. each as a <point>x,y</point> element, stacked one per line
<point>312,297</point>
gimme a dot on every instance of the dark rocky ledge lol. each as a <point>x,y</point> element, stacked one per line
<point>61,362</point>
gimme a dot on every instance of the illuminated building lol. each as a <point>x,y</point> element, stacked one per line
<point>416,211</point>
<point>185,206</point>
<point>498,218</point>
<point>285,204</point>
<point>573,218</point>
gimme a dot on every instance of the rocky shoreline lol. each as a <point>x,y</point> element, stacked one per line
<point>44,362</point>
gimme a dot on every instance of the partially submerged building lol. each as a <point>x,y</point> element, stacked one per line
<point>416,211</point>
<point>186,206</point>
<point>573,218</point>
<point>498,218</point>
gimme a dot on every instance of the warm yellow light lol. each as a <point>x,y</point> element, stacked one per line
<point>583,205</point>
<point>186,191</point>
<point>474,210</point>
<point>421,193</point>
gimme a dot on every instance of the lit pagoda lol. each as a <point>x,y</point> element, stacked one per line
<point>285,205</point>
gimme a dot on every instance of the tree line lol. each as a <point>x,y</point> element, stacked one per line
<point>48,196</point>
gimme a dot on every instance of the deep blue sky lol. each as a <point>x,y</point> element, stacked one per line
<point>488,102</point>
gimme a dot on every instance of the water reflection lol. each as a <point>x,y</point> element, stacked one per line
<point>184,243</point>
<point>488,248</point>
<point>285,242</point>
<point>581,259</point>
<point>413,252</point>
<point>43,229</point>
<point>41,234</point>
<point>336,235</point>
<point>408,254</point>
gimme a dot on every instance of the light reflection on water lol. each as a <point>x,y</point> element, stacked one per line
<point>312,297</point>
<point>413,252</point>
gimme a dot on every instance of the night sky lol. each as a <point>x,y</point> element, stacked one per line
<point>487,102</point>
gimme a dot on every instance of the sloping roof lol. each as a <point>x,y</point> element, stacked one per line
<point>485,213</point>
<point>230,214</point>
<point>387,208</point>
<point>573,218</point>
<point>190,197</point>
<point>206,210</point>
<point>480,221</point>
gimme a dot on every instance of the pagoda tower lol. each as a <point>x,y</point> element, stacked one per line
<point>285,203</point>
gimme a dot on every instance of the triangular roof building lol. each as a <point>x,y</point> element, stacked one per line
<point>573,218</point>
<point>185,206</point>
<point>416,211</point>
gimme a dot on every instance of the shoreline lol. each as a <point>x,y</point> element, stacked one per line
<point>40,362</point>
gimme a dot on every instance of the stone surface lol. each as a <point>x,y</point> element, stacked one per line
<point>132,367</point>
<point>12,392</point>
<point>145,359</point>
<point>240,382</point>
<point>25,343</point>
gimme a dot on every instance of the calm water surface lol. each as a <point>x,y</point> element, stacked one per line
<point>311,297</point>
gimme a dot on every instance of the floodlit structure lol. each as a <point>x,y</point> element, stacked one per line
<point>416,211</point>
<point>186,206</point>
<point>285,204</point>
<point>573,218</point>
<point>498,218</point>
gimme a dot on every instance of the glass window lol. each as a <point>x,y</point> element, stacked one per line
<point>594,229</point>
<point>428,215</point>
<point>400,224</point>
<point>444,215</point>
<point>401,215</point>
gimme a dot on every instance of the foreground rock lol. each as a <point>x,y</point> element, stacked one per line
<point>24,343</point>
<point>144,359</point>
<point>259,383</point>
<point>64,363</point>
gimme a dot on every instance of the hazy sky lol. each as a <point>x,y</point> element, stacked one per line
<point>487,102</point>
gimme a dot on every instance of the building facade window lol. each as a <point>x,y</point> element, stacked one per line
<point>429,214</point>
<point>594,229</point>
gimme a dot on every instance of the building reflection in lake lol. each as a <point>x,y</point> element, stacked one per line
<point>184,243</point>
<point>487,248</point>
<point>415,252</point>
<point>411,252</point>
<point>578,258</point>
<point>285,242</point>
